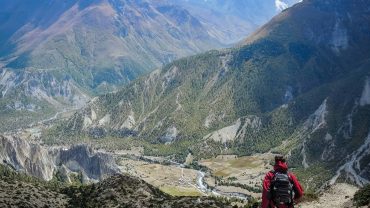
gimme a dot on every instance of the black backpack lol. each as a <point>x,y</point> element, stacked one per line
<point>281,189</point>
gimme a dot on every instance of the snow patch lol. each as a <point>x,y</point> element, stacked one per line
<point>280,5</point>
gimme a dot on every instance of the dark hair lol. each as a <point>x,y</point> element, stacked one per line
<point>279,158</point>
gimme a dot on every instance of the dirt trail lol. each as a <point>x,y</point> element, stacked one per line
<point>338,196</point>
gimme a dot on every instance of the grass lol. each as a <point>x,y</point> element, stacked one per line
<point>222,173</point>
<point>244,162</point>
<point>227,163</point>
<point>177,191</point>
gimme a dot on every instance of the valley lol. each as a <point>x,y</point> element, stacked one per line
<point>83,48</point>
<point>161,103</point>
<point>182,180</point>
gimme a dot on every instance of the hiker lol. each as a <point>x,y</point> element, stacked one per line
<point>280,188</point>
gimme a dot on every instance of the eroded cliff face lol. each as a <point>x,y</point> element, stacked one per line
<point>44,162</point>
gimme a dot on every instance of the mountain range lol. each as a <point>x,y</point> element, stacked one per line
<point>56,55</point>
<point>298,86</point>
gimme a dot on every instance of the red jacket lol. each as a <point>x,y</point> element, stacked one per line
<point>279,167</point>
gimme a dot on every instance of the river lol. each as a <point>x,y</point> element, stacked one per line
<point>203,187</point>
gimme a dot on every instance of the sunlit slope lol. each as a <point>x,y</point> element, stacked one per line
<point>299,86</point>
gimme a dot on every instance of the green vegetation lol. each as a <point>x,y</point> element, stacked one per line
<point>14,113</point>
<point>362,196</point>
<point>240,185</point>
<point>309,196</point>
<point>290,93</point>
<point>175,191</point>
<point>11,176</point>
<point>253,203</point>
<point>20,190</point>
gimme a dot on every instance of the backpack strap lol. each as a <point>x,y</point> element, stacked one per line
<point>269,192</point>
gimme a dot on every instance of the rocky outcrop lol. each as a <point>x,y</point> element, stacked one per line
<point>44,162</point>
<point>93,165</point>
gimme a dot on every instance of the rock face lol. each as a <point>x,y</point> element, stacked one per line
<point>27,157</point>
<point>93,165</point>
<point>44,162</point>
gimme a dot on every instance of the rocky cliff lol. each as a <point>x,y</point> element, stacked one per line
<point>45,163</point>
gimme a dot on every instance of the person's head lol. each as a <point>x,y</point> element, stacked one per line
<point>279,158</point>
<point>280,164</point>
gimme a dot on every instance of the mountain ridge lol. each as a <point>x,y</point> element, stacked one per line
<point>77,49</point>
<point>280,91</point>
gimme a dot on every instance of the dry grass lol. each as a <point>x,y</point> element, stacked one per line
<point>248,170</point>
<point>180,191</point>
<point>228,166</point>
<point>170,179</point>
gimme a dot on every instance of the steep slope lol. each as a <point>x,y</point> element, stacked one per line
<point>46,163</point>
<point>20,190</point>
<point>59,58</point>
<point>57,54</point>
<point>298,83</point>
<point>125,190</point>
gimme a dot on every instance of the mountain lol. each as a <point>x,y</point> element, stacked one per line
<point>234,17</point>
<point>56,55</point>
<point>298,86</point>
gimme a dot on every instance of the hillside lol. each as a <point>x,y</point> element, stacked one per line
<point>19,190</point>
<point>298,86</point>
<point>56,55</point>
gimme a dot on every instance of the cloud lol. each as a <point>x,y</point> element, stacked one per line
<point>280,5</point>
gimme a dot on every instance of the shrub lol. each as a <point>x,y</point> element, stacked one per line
<point>362,196</point>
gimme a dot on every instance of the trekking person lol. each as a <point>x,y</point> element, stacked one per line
<point>280,187</point>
